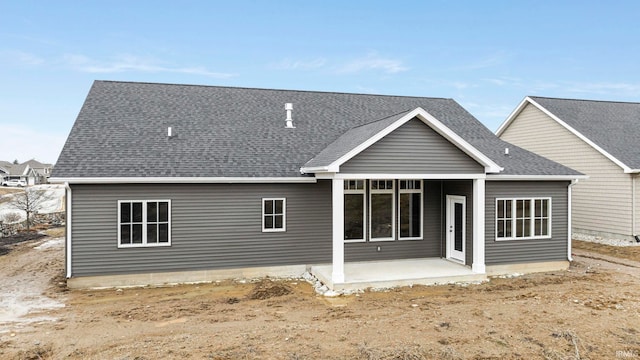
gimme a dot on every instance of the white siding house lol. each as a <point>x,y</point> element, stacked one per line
<point>588,136</point>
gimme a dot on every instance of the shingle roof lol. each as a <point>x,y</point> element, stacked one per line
<point>613,126</point>
<point>121,131</point>
<point>351,139</point>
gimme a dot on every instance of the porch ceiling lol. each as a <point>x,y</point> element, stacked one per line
<point>392,273</point>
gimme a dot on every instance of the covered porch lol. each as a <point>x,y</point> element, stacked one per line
<point>391,273</point>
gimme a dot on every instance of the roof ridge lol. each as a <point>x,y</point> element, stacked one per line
<point>586,100</point>
<point>270,89</point>
<point>382,118</point>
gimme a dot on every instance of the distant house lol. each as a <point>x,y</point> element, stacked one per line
<point>178,183</point>
<point>597,138</point>
<point>42,171</point>
<point>23,172</point>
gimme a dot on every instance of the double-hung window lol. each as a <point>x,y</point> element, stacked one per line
<point>354,210</point>
<point>410,209</point>
<point>523,218</point>
<point>382,210</point>
<point>274,214</point>
<point>144,223</point>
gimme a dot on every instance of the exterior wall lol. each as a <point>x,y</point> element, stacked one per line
<point>411,149</point>
<point>601,203</point>
<point>218,226</point>
<point>214,226</point>
<point>523,251</point>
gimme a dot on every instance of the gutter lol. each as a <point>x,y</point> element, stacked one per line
<point>180,180</point>
<point>68,230</point>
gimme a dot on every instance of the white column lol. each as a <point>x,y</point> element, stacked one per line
<point>337,194</point>
<point>478,265</point>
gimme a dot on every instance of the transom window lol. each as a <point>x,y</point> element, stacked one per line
<point>410,209</point>
<point>144,223</point>
<point>382,210</point>
<point>274,214</point>
<point>354,210</point>
<point>523,218</point>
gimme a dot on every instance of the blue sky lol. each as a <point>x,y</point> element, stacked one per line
<point>487,55</point>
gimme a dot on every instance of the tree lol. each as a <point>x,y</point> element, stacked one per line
<point>15,162</point>
<point>30,201</point>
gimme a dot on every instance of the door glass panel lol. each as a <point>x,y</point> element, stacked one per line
<point>353,216</point>
<point>458,227</point>
<point>381,215</point>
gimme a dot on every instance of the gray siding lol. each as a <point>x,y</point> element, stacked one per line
<point>411,149</point>
<point>213,227</point>
<point>523,251</point>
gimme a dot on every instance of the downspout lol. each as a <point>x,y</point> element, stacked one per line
<point>633,206</point>
<point>569,234</point>
<point>68,231</point>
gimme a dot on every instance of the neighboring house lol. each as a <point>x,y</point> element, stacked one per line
<point>179,183</point>
<point>597,138</point>
<point>42,171</point>
<point>18,172</point>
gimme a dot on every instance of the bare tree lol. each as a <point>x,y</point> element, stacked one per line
<point>30,201</point>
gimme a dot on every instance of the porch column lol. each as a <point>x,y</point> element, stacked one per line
<point>337,194</point>
<point>478,265</point>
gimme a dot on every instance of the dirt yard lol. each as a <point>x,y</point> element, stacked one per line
<point>591,311</point>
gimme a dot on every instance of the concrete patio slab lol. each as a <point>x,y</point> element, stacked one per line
<point>392,273</point>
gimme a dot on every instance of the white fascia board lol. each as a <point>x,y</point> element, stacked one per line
<point>329,175</point>
<point>411,176</point>
<point>433,123</point>
<point>535,177</point>
<point>315,169</point>
<point>625,168</point>
<point>181,180</point>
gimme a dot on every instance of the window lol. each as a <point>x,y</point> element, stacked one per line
<point>274,215</point>
<point>144,223</point>
<point>354,210</point>
<point>382,210</point>
<point>410,209</point>
<point>523,218</point>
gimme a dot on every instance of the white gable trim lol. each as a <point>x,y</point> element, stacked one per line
<point>489,165</point>
<point>181,180</point>
<point>528,100</point>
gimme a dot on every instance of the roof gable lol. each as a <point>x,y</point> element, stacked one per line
<point>358,139</point>
<point>608,127</point>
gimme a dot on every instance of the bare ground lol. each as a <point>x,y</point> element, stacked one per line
<point>588,312</point>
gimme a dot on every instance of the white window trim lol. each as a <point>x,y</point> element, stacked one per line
<point>362,192</point>
<point>284,214</point>
<point>391,191</point>
<point>144,224</point>
<point>412,191</point>
<point>513,219</point>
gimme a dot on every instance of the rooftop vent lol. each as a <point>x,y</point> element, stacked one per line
<point>506,151</point>
<point>289,120</point>
<point>169,132</point>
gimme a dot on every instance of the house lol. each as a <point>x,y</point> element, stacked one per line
<point>9,171</point>
<point>180,183</point>
<point>41,171</point>
<point>596,138</point>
